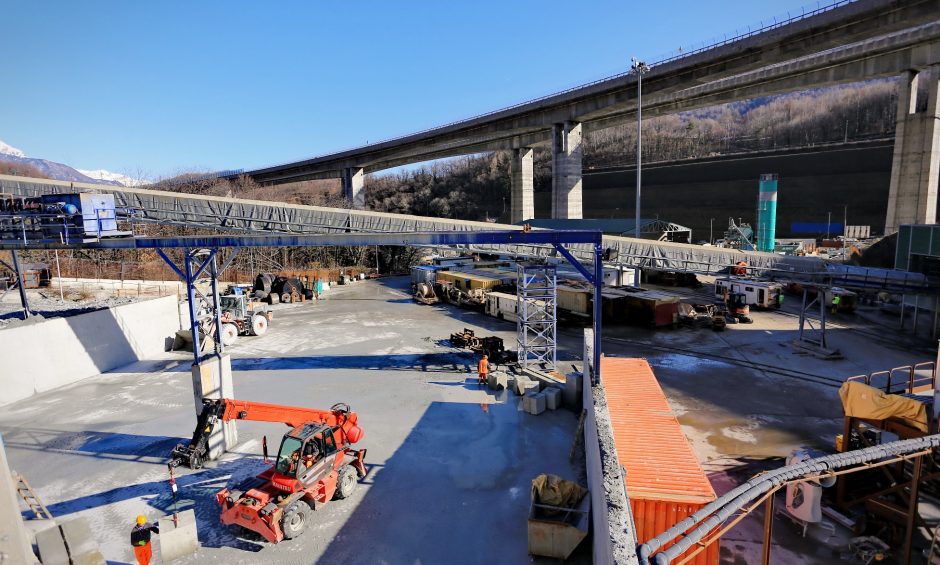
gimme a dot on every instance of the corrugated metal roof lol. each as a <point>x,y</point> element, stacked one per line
<point>650,444</point>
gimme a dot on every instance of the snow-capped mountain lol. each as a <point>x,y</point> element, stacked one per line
<point>102,174</point>
<point>10,150</point>
<point>58,171</point>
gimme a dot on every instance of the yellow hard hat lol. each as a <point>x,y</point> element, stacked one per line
<point>141,520</point>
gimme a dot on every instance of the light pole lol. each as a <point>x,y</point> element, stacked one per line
<point>711,231</point>
<point>640,68</point>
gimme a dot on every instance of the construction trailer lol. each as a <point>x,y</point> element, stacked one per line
<point>760,294</point>
<point>639,307</point>
<point>465,289</point>
<point>502,305</point>
<point>575,303</point>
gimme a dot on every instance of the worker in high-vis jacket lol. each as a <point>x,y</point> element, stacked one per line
<point>836,300</point>
<point>140,539</point>
<point>483,368</point>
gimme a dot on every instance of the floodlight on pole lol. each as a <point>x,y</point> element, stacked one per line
<point>639,68</point>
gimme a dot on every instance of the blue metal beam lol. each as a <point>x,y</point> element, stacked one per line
<point>574,262</point>
<point>172,265</point>
<point>494,237</point>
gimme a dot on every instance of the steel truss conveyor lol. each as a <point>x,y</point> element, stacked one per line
<point>259,217</point>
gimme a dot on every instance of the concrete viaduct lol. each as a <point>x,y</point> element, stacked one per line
<point>846,42</point>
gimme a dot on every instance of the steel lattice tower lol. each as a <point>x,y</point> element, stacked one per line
<point>537,324</point>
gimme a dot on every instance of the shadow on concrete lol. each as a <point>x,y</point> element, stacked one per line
<point>457,488</point>
<point>103,339</point>
<point>449,361</point>
<point>101,445</point>
<point>470,383</point>
<point>196,492</point>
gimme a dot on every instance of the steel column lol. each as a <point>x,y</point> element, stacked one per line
<point>193,314</point>
<point>803,313</point>
<point>823,306</point>
<point>598,285</point>
<point>217,312</point>
<point>768,529</point>
<point>20,286</point>
<point>912,509</point>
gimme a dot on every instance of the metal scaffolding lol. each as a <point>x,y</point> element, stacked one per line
<point>538,325</point>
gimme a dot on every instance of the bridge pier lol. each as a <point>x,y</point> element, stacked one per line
<point>521,176</point>
<point>566,170</point>
<point>353,183</point>
<point>912,198</point>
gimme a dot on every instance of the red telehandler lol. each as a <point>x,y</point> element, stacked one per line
<point>315,464</point>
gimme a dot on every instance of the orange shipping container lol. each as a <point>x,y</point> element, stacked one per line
<point>664,479</point>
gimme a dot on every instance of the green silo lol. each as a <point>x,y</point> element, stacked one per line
<point>767,213</point>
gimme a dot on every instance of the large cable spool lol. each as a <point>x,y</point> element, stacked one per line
<point>263,283</point>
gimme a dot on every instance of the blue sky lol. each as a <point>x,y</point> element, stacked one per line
<point>164,86</point>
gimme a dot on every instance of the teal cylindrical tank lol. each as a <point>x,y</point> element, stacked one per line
<point>767,213</point>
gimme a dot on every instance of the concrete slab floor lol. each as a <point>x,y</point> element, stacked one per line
<point>451,464</point>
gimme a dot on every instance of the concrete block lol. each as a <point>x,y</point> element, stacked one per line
<point>35,526</point>
<point>177,540</point>
<point>520,385</point>
<point>79,538</point>
<point>213,379</point>
<point>534,404</point>
<point>530,388</point>
<point>52,550</point>
<point>573,390</point>
<point>552,397</point>
<point>511,383</point>
<point>497,380</point>
<point>70,543</point>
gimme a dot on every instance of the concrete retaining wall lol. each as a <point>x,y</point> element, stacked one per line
<point>45,355</point>
<point>613,532</point>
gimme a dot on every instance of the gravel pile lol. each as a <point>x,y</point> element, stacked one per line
<point>44,307</point>
<point>619,519</point>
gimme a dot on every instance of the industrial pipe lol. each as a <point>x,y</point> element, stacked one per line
<point>716,512</point>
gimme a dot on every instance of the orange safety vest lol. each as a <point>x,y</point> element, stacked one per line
<point>483,366</point>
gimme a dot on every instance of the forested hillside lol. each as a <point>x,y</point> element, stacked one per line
<point>477,187</point>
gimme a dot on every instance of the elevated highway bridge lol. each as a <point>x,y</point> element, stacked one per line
<point>843,42</point>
